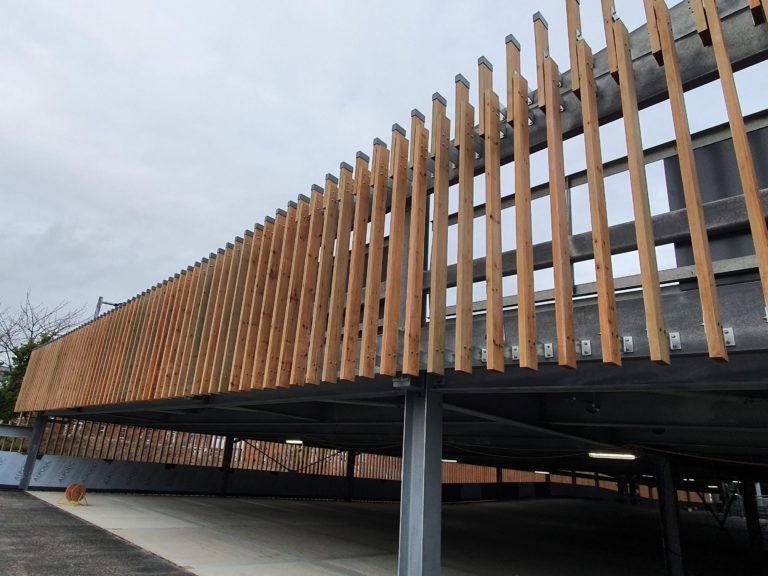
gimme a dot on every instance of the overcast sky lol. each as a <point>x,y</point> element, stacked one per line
<point>136,137</point>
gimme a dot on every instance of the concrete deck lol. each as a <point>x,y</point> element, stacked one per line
<point>248,536</point>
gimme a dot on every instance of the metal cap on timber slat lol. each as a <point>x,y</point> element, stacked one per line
<point>292,204</point>
<point>318,189</point>
<point>229,245</point>
<point>220,251</point>
<point>515,41</point>
<point>239,239</point>
<point>204,260</point>
<point>379,142</point>
<point>197,264</point>
<point>249,233</point>
<point>462,79</point>
<point>347,167</point>
<point>484,61</point>
<point>258,226</point>
<point>397,128</point>
<point>539,16</point>
<point>281,212</point>
<point>418,114</point>
<point>332,178</point>
<point>269,220</point>
<point>363,155</point>
<point>440,98</point>
<point>304,198</point>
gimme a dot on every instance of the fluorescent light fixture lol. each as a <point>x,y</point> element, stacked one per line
<point>294,441</point>
<point>713,487</point>
<point>541,472</point>
<point>613,455</point>
<point>449,461</point>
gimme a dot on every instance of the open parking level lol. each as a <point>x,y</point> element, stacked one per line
<point>262,537</point>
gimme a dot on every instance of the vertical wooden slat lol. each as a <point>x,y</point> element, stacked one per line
<point>207,320</point>
<point>192,309</point>
<point>356,268</point>
<point>526,305</point>
<point>174,338</point>
<point>142,348</point>
<point>494,320</point>
<point>741,146</point>
<point>601,242</point>
<point>317,335</point>
<point>441,130</point>
<point>700,17</point>
<point>248,336</point>
<point>759,10</point>
<point>699,240</point>
<point>541,36</point>
<point>375,256</point>
<point>653,31</point>
<point>609,15</point>
<point>414,311</point>
<point>237,272</point>
<point>464,267</point>
<point>188,377</point>
<point>330,362</point>
<point>294,290</point>
<point>391,329</point>
<point>573,16</point>
<point>656,330</point>
<point>216,320</point>
<point>274,300</point>
<point>484,84</point>
<point>309,281</point>
<point>230,378</point>
<point>566,347</point>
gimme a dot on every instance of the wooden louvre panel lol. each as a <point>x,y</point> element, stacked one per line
<point>699,241</point>
<point>601,242</point>
<point>349,355</point>
<point>320,312</point>
<point>272,314</point>
<point>332,351</point>
<point>242,363</point>
<point>484,85</point>
<point>566,346</point>
<point>464,265</point>
<point>199,323</point>
<point>188,328</point>
<point>656,330</point>
<point>441,135</point>
<point>207,319</point>
<point>746,165</point>
<point>285,347</point>
<point>245,278</point>
<point>397,237</point>
<point>494,321</point>
<point>414,309</point>
<point>309,281</point>
<point>371,307</point>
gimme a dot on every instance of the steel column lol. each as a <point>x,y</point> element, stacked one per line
<point>32,449</point>
<point>351,460</point>
<point>226,464</point>
<point>673,552</point>
<point>421,495</point>
<point>749,494</point>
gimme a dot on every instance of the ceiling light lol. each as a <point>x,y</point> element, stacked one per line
<point>449,461</point>
<point>541,472</point>
<point>613,455</point>
<point>713,487</point>
<point>294,441</point>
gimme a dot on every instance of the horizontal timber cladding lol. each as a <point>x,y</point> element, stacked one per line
<point>352,282</point>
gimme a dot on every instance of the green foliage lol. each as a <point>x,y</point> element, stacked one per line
<point>10,381</point>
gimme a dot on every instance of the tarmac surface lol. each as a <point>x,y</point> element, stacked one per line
<point>36,539</point>
<point>261,537</point>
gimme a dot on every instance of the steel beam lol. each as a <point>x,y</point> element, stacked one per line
<point>11,431</point>
<point>670,523</point>
<point>421,495</point>
<point>32,449</point>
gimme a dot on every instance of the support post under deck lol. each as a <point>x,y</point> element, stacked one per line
<point>32,450</point>
<point>749,494</point>
<point>421,493</point>
<point>351,460</point>
<point>226,464</point>
<point>670,523</point>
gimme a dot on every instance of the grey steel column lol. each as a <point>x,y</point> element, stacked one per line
<point>351,459</point>
<point>673,552</point>
<point>226,464</point>
<point>749,494</point>
<point>32,450</point>
<point>421,495</point>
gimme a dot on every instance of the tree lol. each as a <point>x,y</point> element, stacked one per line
<point>21,331</point>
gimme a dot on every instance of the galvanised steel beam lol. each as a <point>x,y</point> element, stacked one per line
<point>10,431</point>
<point>32,450</point>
